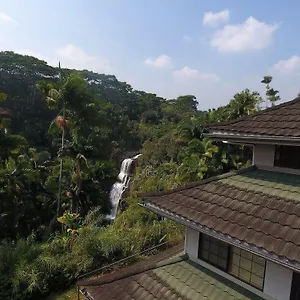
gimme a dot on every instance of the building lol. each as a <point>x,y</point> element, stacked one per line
<point>4,113</point>
<point>242,228</point>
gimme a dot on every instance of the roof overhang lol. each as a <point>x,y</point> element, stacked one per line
<point>4,113</point>
<point>251,139</point>
<point>294,265</point>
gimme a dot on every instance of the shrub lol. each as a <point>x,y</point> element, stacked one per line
<point>30,270</point>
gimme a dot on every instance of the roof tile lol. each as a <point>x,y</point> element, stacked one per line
<point>261,208</point>
<point>281,120</point>
<point>178,279</point>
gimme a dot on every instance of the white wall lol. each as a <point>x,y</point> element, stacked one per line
<point>278,281</point>
<point>191,242</point>
<point>263,155</point>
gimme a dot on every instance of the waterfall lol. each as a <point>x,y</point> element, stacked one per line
<point>121,185</point>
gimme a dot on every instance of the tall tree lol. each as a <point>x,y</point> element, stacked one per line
<point>271,95</point>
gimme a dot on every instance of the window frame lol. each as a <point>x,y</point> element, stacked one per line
<point>230,251</point>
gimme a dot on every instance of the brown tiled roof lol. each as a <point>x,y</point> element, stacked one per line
<point>176,278</point>
<point>255,207</point>
<point>139,267</point>
<point>4,113</point>
<point>280,120</point>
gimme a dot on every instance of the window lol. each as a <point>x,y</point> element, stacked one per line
<point>214,251</point>
<point>242,264</point>
<point>247,266</point>
<point>295,291</point>
<point>287,157</point>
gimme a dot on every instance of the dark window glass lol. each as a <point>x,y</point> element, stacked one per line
<point>287,157</point>
<point>213,251</point>
<point>295,291</point>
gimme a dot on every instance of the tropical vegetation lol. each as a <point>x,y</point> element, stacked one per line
<point>60,149</point>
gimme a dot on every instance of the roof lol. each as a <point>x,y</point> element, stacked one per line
<point>176,278</point>
<point>280,120</point>
<point>4,113</point>
<point>251,208</point>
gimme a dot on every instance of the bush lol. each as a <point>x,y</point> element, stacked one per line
<point>30,270</point>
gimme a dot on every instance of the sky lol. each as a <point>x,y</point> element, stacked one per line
<point>209,48</point>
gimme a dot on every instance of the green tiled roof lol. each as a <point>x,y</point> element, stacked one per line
<point>176,278</point>
<point>270,183</point>
<point>193,281</point>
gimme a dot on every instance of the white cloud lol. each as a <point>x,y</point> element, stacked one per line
<point>6,18</point>
<point>187,74</point>
<point>74,57</point>
<point>187,38</point>
<point>290,65</point>
<point>216,19</point>
<point>248,36</point>
<point>161,62</point>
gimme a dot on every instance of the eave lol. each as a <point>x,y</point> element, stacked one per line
<point>294,265</point>
<point>251,139</point>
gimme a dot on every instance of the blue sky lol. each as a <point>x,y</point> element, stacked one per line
<point>212,49</point>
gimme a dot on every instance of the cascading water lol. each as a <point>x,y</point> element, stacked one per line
<point>121,185</point>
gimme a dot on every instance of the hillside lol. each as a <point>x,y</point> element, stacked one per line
<point>59,156</point>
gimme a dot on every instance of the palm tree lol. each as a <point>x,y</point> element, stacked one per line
<point>55,97</point>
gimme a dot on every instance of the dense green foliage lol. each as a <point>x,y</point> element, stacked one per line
<point>59,155</point>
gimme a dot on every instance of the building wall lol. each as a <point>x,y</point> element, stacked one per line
<point>263,155</point>
<point>191,242</point>
<point>278,281</point>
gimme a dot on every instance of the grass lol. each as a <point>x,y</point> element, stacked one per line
<point>70,294</point>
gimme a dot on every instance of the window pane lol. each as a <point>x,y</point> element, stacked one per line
<point>247,266</point>
<point>213,258</point>
<point>245,275</point>
<point>257,281</point>
<point>213,251</point>
<point>237,250</point>
<point>235,270</point>
<point>287,156</point>
<point>223,252</point>
<point>222,263</point>
<point>259,260</point>
<point>204,254</point>
<point>236,259</point>
<point>246,254</point>
<point>206,245</point>
<point>258,270</point>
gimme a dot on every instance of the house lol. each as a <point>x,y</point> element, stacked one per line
<point>4,113</point>
<point>242,236</point>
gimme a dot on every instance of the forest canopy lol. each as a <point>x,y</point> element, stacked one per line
<point>62,135</point>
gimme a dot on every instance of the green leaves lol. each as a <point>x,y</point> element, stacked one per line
<point>3,97</point>
<point>271,94</point>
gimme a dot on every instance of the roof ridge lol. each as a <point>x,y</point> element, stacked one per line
<point>147,266</point>
<point>261,112</point>
<point>200,182</point>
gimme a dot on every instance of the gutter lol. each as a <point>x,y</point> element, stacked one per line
<point>295,266</point>
<point>253,139</point>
